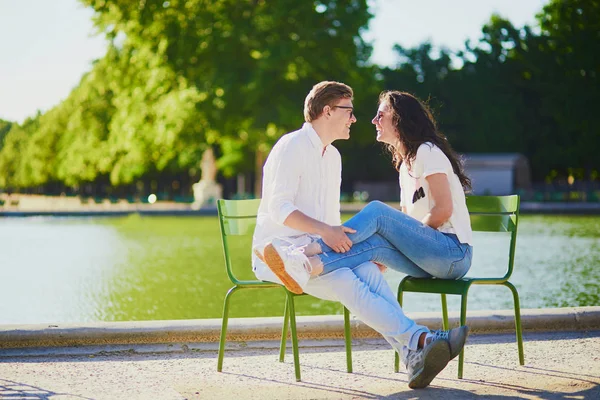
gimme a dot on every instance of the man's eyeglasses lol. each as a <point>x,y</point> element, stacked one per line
<point>348,108</point>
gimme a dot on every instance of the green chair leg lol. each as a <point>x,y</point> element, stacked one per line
<point>284,332</point>
<point>224,328</point>
<point>518,327</point>
<point>445,324</point>
<point>290,299</point>
<point>348,339</point>
<point>463,321</point>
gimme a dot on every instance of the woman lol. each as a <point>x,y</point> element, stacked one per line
<point>430,237</point>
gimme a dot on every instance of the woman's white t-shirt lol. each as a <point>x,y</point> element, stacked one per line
<point>416,196</point>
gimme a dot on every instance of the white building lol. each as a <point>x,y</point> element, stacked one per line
<point>497,174</point>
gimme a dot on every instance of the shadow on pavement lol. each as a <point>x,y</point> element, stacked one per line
<point>17,390</point>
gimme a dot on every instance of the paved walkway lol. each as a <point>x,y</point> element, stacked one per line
<point>558,365</point>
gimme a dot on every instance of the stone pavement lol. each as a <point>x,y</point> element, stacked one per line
<point>558,365</point>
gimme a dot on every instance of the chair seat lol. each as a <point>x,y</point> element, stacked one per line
<point>257,283</point>
<point>445,286</point>
<point>428,285</point>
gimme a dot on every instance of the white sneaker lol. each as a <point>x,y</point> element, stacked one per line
<point>257,253</point>
<point>424,364</point>
<point>258,250</point>
<point>289,263</point>
<point>456,338</point>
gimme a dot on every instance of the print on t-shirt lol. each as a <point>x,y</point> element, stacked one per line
<point>419,194</point>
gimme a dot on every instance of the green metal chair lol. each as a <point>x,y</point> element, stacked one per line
<point>488,214</point>
<point>238,218</point>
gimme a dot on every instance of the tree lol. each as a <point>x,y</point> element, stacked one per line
<point>250,62</point>
<point>12,171</point>
<point>4,128</point>
<point>567,77</point>
<point>517,90</point>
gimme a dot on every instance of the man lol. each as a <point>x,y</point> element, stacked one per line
<point>301,200</point>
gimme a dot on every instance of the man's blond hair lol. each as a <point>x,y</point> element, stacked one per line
<point>326,93</point>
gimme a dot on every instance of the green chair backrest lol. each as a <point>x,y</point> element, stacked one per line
<point>496,214</point>
<point>236,218</point>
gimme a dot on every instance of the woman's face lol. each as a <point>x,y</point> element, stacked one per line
<point>386,132</point>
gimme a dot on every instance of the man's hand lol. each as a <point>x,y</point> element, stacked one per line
<point>335,237</point>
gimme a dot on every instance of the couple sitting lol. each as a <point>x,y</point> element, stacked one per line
<point>300,242</point>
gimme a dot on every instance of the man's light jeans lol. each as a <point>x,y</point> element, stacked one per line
<point>368,296</point>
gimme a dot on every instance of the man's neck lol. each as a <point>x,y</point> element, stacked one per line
<point>322,132</point>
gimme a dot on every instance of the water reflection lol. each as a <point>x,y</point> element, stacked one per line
<point>54,269</point>
<point>150,268</point>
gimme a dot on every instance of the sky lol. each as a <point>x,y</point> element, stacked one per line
<point>46,46</point>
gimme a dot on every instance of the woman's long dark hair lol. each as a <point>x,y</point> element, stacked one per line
<point>415,124</point>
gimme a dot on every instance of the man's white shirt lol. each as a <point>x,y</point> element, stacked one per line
<point>297,175</point>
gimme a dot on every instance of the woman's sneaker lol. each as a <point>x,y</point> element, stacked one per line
<point>289,263</point>
<point>258,254</point>
<point>456,338</point>
<point>424,364</point>
<point>259,249</point>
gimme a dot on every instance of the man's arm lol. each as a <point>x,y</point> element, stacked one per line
<point>333,236</point>
<point>286,170</point>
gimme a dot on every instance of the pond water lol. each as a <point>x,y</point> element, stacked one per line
<point>57,270</point>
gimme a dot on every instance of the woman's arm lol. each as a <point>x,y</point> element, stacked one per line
<point>439,187</point>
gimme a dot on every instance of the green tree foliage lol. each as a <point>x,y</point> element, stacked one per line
<point>567,77</point>
<point>4,128</point>
<point>180,76</point>
<point>183,75</point>
<point>517,90</point>
<point>249,62</point>
<point>156,127</point>
<point>83,153</point>
<point>13,170</point>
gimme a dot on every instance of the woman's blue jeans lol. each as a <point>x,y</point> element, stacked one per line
<point>388,236</point>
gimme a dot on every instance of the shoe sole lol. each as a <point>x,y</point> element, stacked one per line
<point>438,356</point>
<point>461,345</point>
<point>275,264</point>
<point>260,256</point>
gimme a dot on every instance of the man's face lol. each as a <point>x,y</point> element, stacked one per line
<point>342,117</point>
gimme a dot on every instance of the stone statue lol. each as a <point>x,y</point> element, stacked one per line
<point>207,190</point>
